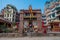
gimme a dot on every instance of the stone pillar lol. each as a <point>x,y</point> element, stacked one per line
<point>21,23</point>
<point>39,21</point>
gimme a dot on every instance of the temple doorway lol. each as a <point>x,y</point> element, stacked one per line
<point>30,27</point>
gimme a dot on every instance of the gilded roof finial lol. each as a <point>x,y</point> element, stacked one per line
<point>30,9</point>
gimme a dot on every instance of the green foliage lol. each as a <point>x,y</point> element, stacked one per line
<point>4,29</point>
<point>14,24</point>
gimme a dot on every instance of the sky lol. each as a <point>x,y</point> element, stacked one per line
<point>24,4</point>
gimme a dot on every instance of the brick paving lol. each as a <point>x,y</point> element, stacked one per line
<point>31,38</point>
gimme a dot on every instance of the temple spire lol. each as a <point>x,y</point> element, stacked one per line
<point>30,7</point>
<point>30,10</point>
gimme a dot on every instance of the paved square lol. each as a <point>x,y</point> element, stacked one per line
<point>32,38</point>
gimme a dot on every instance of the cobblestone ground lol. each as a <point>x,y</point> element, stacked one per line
<point>32,38</point>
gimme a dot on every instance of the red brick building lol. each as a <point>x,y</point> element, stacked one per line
<point>30,16</point>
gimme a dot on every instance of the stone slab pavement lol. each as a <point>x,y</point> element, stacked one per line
<point>31,38</point>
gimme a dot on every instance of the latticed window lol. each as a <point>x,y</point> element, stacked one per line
<point>7,15</point>
<point>34,14</point>
<point>27,14</point>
